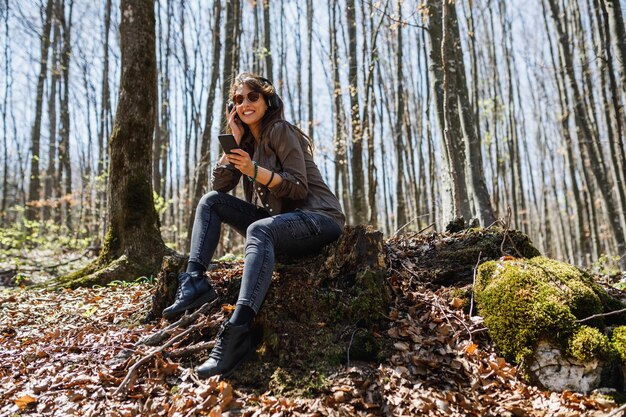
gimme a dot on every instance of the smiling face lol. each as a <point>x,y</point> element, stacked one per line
<point>251,113</point>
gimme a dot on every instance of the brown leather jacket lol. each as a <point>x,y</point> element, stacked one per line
<point>286,152</point>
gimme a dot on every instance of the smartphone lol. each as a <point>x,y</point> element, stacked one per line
<point>228,142</point>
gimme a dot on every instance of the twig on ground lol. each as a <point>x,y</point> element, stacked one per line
<point>479,330</point>
<point>595,316</point>
<point>617,411</point>
<point>446,315</point>
<point>350,344</point>
<point>131,375</point>
<point>164,334</point>
<point>188,350</point>
<point>471,310</point>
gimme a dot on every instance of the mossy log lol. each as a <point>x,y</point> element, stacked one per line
<point>543,305</point>
<point>319,312</point>
<point>450,258</point>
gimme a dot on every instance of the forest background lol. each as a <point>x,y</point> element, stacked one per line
<point>418,112</point>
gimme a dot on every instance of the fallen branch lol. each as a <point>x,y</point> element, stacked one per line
<point>164,334</point>
<point>131,375</point>
<point>189,350</point>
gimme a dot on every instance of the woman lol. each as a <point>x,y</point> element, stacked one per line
<point>288,209</point>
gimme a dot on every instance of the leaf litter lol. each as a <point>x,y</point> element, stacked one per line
<point>67,353</point>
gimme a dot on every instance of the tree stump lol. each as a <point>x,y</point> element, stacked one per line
<point>167,281</point>
<point>320,311</point>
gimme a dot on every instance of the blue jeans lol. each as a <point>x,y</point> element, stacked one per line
<point>295,233</point>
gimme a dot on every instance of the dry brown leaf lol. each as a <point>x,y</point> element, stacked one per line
<point>24,401</point>
<point>456,302</point>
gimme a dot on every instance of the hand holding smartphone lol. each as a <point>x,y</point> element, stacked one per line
<point>228,142</point>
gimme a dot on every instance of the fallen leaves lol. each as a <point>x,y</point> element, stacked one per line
<point>66,352</point>
<point>24,401</point>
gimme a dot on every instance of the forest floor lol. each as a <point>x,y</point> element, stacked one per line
<point>61,353</point>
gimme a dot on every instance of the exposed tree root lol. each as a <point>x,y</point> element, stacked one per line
<point>121,269</point>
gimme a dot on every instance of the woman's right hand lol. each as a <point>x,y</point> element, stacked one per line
<point>236,126</point>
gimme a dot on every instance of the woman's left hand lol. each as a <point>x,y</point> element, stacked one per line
<point>241,160</point>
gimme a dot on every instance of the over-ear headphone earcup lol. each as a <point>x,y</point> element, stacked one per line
<point>272,101</point>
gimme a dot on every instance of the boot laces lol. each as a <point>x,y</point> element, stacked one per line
<point>220,343</point>
<point>179,290</point>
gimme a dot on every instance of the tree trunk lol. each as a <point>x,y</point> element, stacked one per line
<point>358,181</point>
<point>342,182</point>
<point>452,136</point>
<point>474,159</point>
<point>133,244</point>
<point>309,25</point>
<point>229,46</point>
<point>51,179</point>
<point>5,147</point>
<point>133,229</point>
<point>34,185</point>
<point>618,36</point>
<point>267,40</point>
<point>64,144</point>
<point>202,169</point>
<point>104,129</point>
<point>592,161</point>
<point>399,142</point>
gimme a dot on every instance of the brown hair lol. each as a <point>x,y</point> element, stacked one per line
<point>274,114</point>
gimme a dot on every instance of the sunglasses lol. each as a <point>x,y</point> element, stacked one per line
<point>253,96</point>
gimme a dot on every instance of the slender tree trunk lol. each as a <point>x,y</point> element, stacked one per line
<point>592,161</point>
<point>582,234</point>
<point>614,109</point>
<point>399,142</point>
<point>369,115</point>
<point>51,181</point>
<point>202,169</point>
<point>358,181</point>
<point>104,129</point>
<point>473,161</point>
<point>228,69</point>
<point>64,144</point>
<point>34,186</point>
<point>256,43</point>
<point>309,24</point>
<point>342,184</point>
<point>5,100</point>
<point>618,37</point>
<point>267,40</point>
<point>158,140</point>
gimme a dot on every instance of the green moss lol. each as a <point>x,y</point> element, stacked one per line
<point>588,343</point>
<point>139,202</point>
<point>370,299</point>
<point>286,381</point>
<point>618,341</point>
<point>525,300</point>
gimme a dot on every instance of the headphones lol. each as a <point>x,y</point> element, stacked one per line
<point>273,100</point>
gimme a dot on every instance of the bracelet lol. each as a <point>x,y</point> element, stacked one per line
<point>256,171</point>
<point>271,179</point>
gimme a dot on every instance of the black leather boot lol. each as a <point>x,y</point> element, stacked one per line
<point>193,291</point>
<point>232,345</point>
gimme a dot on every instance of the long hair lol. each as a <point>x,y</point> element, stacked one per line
<point>274,114</point>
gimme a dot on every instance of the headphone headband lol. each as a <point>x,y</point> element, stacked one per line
<point>272,100</point>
